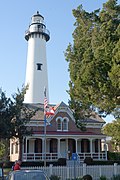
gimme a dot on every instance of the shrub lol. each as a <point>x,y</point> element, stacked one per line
<point>116,177</point>
<point>78,178</point>
<point>54,177</point>
<point>62,162</point>
<point>87,177</point>
<point>88,161</point>
<point>113,155</point>
<point>103,178</point>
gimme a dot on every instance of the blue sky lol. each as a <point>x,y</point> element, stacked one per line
<point>15,17</point>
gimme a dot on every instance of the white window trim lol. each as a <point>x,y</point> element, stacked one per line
<point>59,118</point>
<point>65,118</point>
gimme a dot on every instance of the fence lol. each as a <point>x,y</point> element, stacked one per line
<point>69,172</point>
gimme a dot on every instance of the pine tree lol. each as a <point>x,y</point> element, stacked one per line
<point>94,61</point>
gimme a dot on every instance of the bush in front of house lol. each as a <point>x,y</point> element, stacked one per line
<point>7,164</point>
<point>54,177</point>
<point>87,177</point>
<point>116,177</point>
<point>113,156</point>
<point>78,178</point>
<point>61,162</point>
<point>32,163</point>
<point>103,178</point>
<point>88,161</point>
<point>103,162</point>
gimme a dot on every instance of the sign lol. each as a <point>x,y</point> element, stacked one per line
<point>74,156</point>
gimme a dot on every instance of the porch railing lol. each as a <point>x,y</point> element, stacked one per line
<point>94,156</point>
<point>39,156</point>
<point>56,156</point>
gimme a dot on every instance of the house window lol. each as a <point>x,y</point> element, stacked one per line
<point>65,125</point>
<point>39,66</point>
<point>62,124</point>
<point>59,124</point>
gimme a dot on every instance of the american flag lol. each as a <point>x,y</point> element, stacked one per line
<point>45,101</point>
<point>47,110</point>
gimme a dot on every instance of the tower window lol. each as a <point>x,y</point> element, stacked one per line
<point>39,66</point>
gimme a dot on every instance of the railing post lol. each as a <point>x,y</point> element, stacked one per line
<point>84,169</point>
<point>115,168</point>
<point>50,169</point>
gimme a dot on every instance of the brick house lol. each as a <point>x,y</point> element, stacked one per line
<point>60,137</point>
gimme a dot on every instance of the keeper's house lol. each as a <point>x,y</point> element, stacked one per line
<point>60,137</point>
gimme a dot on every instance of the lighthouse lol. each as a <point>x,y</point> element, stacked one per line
<point>36,69</point>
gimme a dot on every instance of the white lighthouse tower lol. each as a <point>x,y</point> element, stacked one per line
<point>36,70</point>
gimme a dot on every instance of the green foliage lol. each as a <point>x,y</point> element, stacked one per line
<point>87,177</point>
<point>109,162</point>
<point>2,150</point>
<point>14,115</point>
<point>61,162</point>
<point>116,177</point>
<point>22,114</point>
<point>114,156</point>
<point>88,161</point>
<point>54,177</point>
<point>94,61</point>
<point>78,178</point>
<point>5,115</point>
<point>103,178</point>
<point>113,130</point>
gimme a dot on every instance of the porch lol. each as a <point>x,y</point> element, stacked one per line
<point>51,149</point>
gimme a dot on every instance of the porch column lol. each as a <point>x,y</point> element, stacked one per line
<point>79,145</point>
<point>67,149</point>
<point>105,149</point>
<point>99,148</point>
<point>91,149</point>
<point>58,148</point>
<point>23,145</point>
<point>76,146</point>
<point>26,145</point>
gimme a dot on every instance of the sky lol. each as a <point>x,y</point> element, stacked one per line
<point>15,17</point>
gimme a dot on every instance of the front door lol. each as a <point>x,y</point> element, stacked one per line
<point>63,149</point>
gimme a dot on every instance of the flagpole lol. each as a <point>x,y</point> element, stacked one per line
<point>51,112</point>
<point>45,105</point>
<point>45,140</point>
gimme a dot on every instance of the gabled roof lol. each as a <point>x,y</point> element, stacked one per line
<point>39,108</point>
<point>95,117</point>
<point>61,107</point>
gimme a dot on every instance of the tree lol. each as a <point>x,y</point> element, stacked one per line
<point>113,130</point>
<point>5,116</point>
<point>21,116</point>
<point>2,150</point>
<point>14,115</point>
<point>94,62</point>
